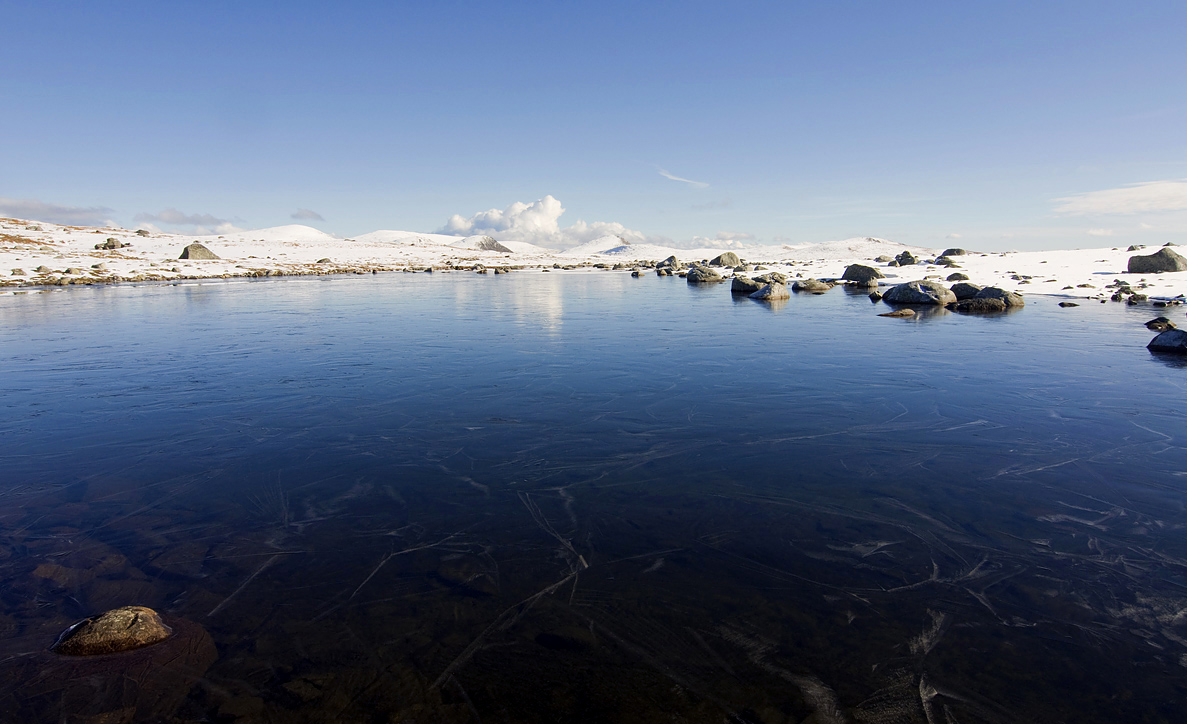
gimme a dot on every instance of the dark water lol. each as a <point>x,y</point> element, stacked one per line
<point>587,497</point>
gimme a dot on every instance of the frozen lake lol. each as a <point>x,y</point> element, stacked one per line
<point>581,497</point>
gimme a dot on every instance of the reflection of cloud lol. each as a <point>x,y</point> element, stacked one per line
<point>34,210</point>
<point>200,223</point>
<point>306,215</point>
<point>536,223</point>
<point>1131,199</point>
<point>694,184</point>
<point>1100,232</point>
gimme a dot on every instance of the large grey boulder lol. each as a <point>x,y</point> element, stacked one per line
<point>905,259</point>
<point>1172,340</point>
<point>1011,299</point>
<point>120,629</point>
<point>810,285</point>
<point>671,262</point>
<point>703,275</point>
<point>197,251</point>
<point>488,243</point>
<point>771,292</point>
<point>729,258</point>
<point>862,275</point>
<point>924,292</point>
<point>745,285</point>
<point>1163,260</point>
<point>954,252</point>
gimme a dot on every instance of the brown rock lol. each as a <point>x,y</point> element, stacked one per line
<point>121,629</point>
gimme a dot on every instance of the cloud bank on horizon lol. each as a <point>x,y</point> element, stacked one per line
<point>199,224</point>
<point>537,223</point>
<point>56,213</point>
<point>1146,197</point>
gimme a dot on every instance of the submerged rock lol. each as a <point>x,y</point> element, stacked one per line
<point>899,313</point>
<point>121,629</point>
<point>924,292</point>
<point>197,251</point>
<point>771,292</point>
<point>1163,260</point>
<point>1172,340</point>
<point>861,274</point>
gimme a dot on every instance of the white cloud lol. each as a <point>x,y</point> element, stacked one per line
<point>34,210</point>
<point>695,184</point>
<point>201,224</point>
<point>1100,232</point>
<point>536,223</point>
<point>734,236</point>
<point>1131,199</point>
<point>954,236</point>
<point>306,215</point>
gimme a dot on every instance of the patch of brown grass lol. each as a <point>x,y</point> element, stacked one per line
<point>14,239</point>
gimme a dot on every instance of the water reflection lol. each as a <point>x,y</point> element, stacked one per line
<point>420,502</point>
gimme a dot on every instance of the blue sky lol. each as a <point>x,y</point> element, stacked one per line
<point>986,125</point>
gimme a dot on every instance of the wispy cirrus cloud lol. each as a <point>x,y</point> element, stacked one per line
<point>306,215</point>
<point>1146,197</point>
<point>673,177</point>
<point>35,210</point>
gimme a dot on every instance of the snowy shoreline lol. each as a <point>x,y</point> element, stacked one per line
<point>37,254</point>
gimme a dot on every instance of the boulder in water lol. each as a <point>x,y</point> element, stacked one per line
<point>745,285</point>
<point>703,275</point>
<point>965,290</point>
<point>1160,324</point>
<point>899,313</point>
<point>978,305</point>
<point>862,275</point>
<point>1010,299</point>
<point>924,292</point>
<point>1172,340</point>
<point>810,285</point>
<point>771,292</point>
